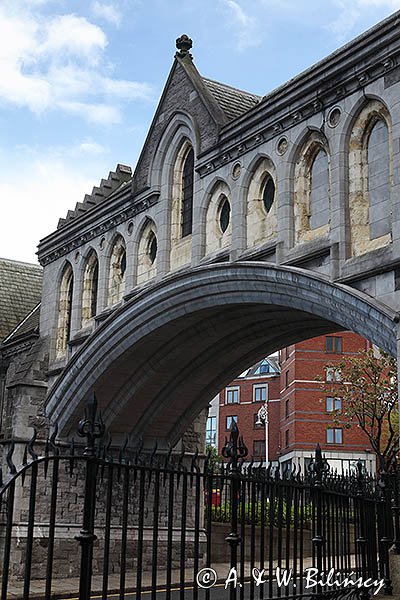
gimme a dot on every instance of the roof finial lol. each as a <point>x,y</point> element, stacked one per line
<point>184,44</point>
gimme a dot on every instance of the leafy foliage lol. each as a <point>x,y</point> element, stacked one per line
<point>369,393</point>
<point>279,513</point>
<point>215,460</point>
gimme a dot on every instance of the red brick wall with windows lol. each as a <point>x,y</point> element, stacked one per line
<point>298,416</point>
<point>246,410</point>
<point>303,407</point>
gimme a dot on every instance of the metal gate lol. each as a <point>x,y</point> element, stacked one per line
<point>91,520</point>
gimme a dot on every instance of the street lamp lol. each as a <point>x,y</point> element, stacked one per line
<point>262,417</point>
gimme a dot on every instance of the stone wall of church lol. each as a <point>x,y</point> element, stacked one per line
<point>115,487</point>
<point>23,393</point>
<point>287,233</point>
<point>295,181</point>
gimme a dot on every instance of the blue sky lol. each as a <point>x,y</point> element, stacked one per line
<point>80,80</point>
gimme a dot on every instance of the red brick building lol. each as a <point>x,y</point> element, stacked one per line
<point>299,411</point>
<point>243,398</point>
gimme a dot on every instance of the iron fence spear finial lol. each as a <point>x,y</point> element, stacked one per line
<point>91,427</point>
<point>235,449</point>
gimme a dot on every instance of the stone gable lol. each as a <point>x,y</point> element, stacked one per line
<point>180,94</point>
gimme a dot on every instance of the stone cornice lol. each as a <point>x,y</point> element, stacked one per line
<point>302,97</point>
<point>371,48</point>
<point>372,55</point>
<point>91,225</point>
<point>17,348</point>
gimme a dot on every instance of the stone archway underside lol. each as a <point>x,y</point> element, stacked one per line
<point>160,358</point>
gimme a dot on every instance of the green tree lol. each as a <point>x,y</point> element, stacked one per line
<point>215,459</point>
<point>369,393</point>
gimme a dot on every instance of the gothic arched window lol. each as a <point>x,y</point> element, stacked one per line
<point>319,190</point>
<point>64,310</point>
<point>116,282</point>
<point>147,252</point>
<point>187,194</point>
<point>90,288</point>
<point>369,201</point>
<point>378,180</point>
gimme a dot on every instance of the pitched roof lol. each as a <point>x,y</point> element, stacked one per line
<point>20,292</point>
<point>232,101</point>
<point>28,326</point>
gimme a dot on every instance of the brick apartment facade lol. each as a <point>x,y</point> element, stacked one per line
<point>299,412</point>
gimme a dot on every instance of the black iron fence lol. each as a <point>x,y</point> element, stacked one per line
<point>180,525</point>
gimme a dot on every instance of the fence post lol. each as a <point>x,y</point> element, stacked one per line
<point>362,539</point>
<point>318,468</point>
<point>396,507</point>
<point>386,528</point>
<point>92,429</point>
<point>235,450</point>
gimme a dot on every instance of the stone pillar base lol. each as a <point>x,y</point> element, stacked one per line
<point>394,561</point>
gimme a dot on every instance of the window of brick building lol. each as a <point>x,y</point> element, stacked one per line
<point>260,393</point>
<point>229,420</point>
<point>287,379</point>
<point>334,436</point>
<point>287,409</point>
<point>333,404</point>
<point>232,395</point>
<point>211,431</point>
<point>287,438</point>
<point>258,448</point>
<point>263,367</point>
<point>333,344</point>
<point>333,374</point>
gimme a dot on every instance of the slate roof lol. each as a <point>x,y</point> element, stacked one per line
<point>28,326</point>
<point>20,292</point>
<point>232,101</point>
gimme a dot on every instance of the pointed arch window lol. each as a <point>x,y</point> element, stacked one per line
<point>116,282</point>
<point>187,194</point>
<point>147,252</point>
<point>65,310</point>
<point>378,180</point>
<point>319,190</point>
<point>90,288</point>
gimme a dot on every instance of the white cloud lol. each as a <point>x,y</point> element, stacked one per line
<point>391,4</point>
<point>50,181</point>
<point>246,27</point>
<point>105,114</point>
<point>128,90</point>
<point>49,185</point>
<point>69,35</point>
<point>91,148</point>
<point>59,63</point>
<point>349,14</point>
<point>107,12</point>
<point>86,147</point>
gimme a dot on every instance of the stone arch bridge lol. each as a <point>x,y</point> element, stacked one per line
<point>249,223</point>
<point>161,356</point>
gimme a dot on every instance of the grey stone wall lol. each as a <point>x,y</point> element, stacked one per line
<point>69,496</point>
